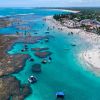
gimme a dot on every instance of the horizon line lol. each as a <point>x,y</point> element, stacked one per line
<point>55,7</point>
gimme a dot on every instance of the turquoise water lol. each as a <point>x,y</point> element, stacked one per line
<point>65,72</point>
<point>15,13</point>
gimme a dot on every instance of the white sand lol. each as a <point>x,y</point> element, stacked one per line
<point>65,10</point>
<point>89,37</point>
<point>91,60</point>
<point>92,56</point>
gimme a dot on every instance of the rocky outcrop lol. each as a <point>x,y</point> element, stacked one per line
<point>10,87</point>
<point>9,63</point>
<point>43,54</point>
<point>39,49</point>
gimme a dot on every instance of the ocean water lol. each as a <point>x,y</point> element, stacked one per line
<point>65,72</point>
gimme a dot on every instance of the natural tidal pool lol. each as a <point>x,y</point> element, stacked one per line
<point>64,72</point>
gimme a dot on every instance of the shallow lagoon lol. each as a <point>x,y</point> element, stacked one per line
<point>64,73</point>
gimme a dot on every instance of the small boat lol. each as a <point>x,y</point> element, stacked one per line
<point>44,61</point>
<point>60,95</point>
<point>32,79</point>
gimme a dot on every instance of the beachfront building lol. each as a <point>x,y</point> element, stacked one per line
<point>91,23</point>
<point>71,23</point>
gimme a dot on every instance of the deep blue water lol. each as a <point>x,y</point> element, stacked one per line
<point>65,72</point>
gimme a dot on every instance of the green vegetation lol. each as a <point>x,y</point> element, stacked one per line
<point>80,16</point>
<point>98,31</point>
<point>87,19</point>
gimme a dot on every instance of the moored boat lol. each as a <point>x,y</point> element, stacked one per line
<point>32,79</point>
<point>60,95</point>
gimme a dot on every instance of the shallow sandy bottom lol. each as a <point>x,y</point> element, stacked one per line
<point>92,59</point>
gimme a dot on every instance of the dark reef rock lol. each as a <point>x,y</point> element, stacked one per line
<point>26,90</point>
<point>8,86</point>
<point>9,63</point>
<point>43,54</point>
<point>11,87</point>
<point>36,68</point>
<point>40,49</point>
<point>33,39</point>
<point>5,22</point>
<point>17,97</point>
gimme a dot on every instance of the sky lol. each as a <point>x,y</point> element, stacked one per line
<point>49,3</point>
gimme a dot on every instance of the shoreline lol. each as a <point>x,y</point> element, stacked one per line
<point>91,60</point>
<point>65,10</point>
<point>88,36</point>
<point>90,57</point>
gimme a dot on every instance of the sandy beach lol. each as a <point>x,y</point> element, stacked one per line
<point>89,37</point>
<point>90,57</point>
<point>65,10</point>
